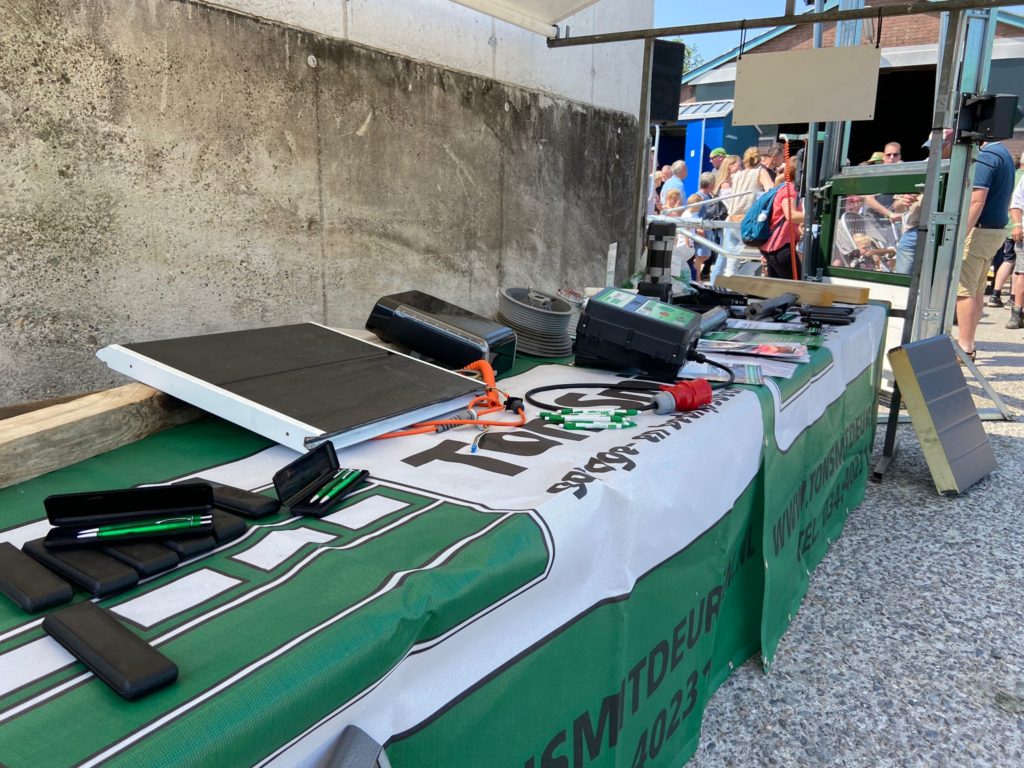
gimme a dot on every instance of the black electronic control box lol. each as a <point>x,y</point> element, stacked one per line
<point>440,331</point>
<point>621,330</point>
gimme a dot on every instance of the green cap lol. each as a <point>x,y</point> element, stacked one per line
<point>719,152</point>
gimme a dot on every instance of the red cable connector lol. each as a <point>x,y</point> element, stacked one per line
<point>688,395</point>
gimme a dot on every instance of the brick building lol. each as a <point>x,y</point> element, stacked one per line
<point>905,88</point>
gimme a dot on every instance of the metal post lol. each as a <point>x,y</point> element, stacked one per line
<point>929,321</point>
<point>837,133</point>
<point>643,164</point>
<point>965,40</point>
<point>911,8</point>
<point>950,35</point>
<point>810,167</point>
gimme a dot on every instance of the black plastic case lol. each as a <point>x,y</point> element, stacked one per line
<point>29,583</point>
<point>115,654</point>
<point>74,512</point>
<point>237,500</point>
<point>227,527</point>
<point>146,557</point>
<point>90,569</point>
<point>299,481</point>
<point>447,334</point>
<point>190,546</point>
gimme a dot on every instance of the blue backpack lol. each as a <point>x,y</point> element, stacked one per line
<point>756,226</point>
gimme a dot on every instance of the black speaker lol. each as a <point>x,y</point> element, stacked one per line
<point>986,117</point>
<point>666,74</point>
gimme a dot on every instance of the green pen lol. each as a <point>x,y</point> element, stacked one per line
<point>341,485</point>
<point>341,474</point>
<point>606,411</point>
<point>158,526</point>
<point>596,426</point>
<point>596,418</point>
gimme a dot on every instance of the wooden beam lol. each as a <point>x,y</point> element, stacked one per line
<point>8,411</point>
<point>35,443</point>
<point>817,294</point>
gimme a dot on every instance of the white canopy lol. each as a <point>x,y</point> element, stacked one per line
<point>538,16</point>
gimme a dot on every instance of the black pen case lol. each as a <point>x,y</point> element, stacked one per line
<point>237,500</point>
<point>297,483</point>
<point>115,654</point>
<point>90,569</point>
<point>72,513</point>
<point>28,583</point>
<point>147,558</point>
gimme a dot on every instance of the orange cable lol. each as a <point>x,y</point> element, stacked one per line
<point>490,399</point>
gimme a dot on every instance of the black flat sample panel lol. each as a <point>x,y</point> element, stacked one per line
<point>312,374</point>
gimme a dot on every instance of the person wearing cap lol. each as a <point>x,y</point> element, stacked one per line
<point>718,155</point>
<point>877,158</point>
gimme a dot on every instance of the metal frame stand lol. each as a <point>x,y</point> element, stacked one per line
<point>965,40</point>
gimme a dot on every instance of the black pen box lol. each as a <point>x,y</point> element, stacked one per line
<point>300,481</point>
<point>73,513</point>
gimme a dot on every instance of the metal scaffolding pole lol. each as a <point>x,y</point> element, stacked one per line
<point>965,42</point>
<point>884,12</point>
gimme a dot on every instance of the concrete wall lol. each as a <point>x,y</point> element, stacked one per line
<point>441,32</point>
<point>169,169</point>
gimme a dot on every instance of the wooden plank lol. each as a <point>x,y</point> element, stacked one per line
<point>8,411</point>
<point>817,294</point>
<point>35,443</point>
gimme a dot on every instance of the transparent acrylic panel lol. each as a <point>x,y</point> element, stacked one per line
<point>876,233</point>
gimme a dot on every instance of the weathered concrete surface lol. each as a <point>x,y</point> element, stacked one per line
<point>457,37</point>
<point>172,169</point>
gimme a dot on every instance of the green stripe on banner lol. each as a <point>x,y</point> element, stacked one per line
<point>638,686</point>
<point>810,489</point>
<point>346,645</point>
<point>788,388</point>
<point>168,454</point>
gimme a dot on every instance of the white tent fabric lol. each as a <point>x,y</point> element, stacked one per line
<point>538,16</point>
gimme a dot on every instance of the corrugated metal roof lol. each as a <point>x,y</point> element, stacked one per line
<point>700,110</point>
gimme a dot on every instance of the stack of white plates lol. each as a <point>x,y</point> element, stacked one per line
<point>540,320</point>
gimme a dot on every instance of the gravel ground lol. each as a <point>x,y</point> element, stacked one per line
<point>909,647</point>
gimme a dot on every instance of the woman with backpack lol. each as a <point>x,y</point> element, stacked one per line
<point>786,217</point>
<point>746,186</point>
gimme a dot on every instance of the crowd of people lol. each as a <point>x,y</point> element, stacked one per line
<point>880,230</point>
<point>727,192</point>
<point>993,239</point>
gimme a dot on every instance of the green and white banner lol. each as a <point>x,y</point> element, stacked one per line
<point>550,599</point>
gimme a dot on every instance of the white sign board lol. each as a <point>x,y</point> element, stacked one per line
<point>809,85</point>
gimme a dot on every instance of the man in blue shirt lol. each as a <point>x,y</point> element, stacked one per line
<point>676,182</point>
<point>986,222</point>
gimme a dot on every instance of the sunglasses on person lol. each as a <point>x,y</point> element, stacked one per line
<point>892,154</point>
